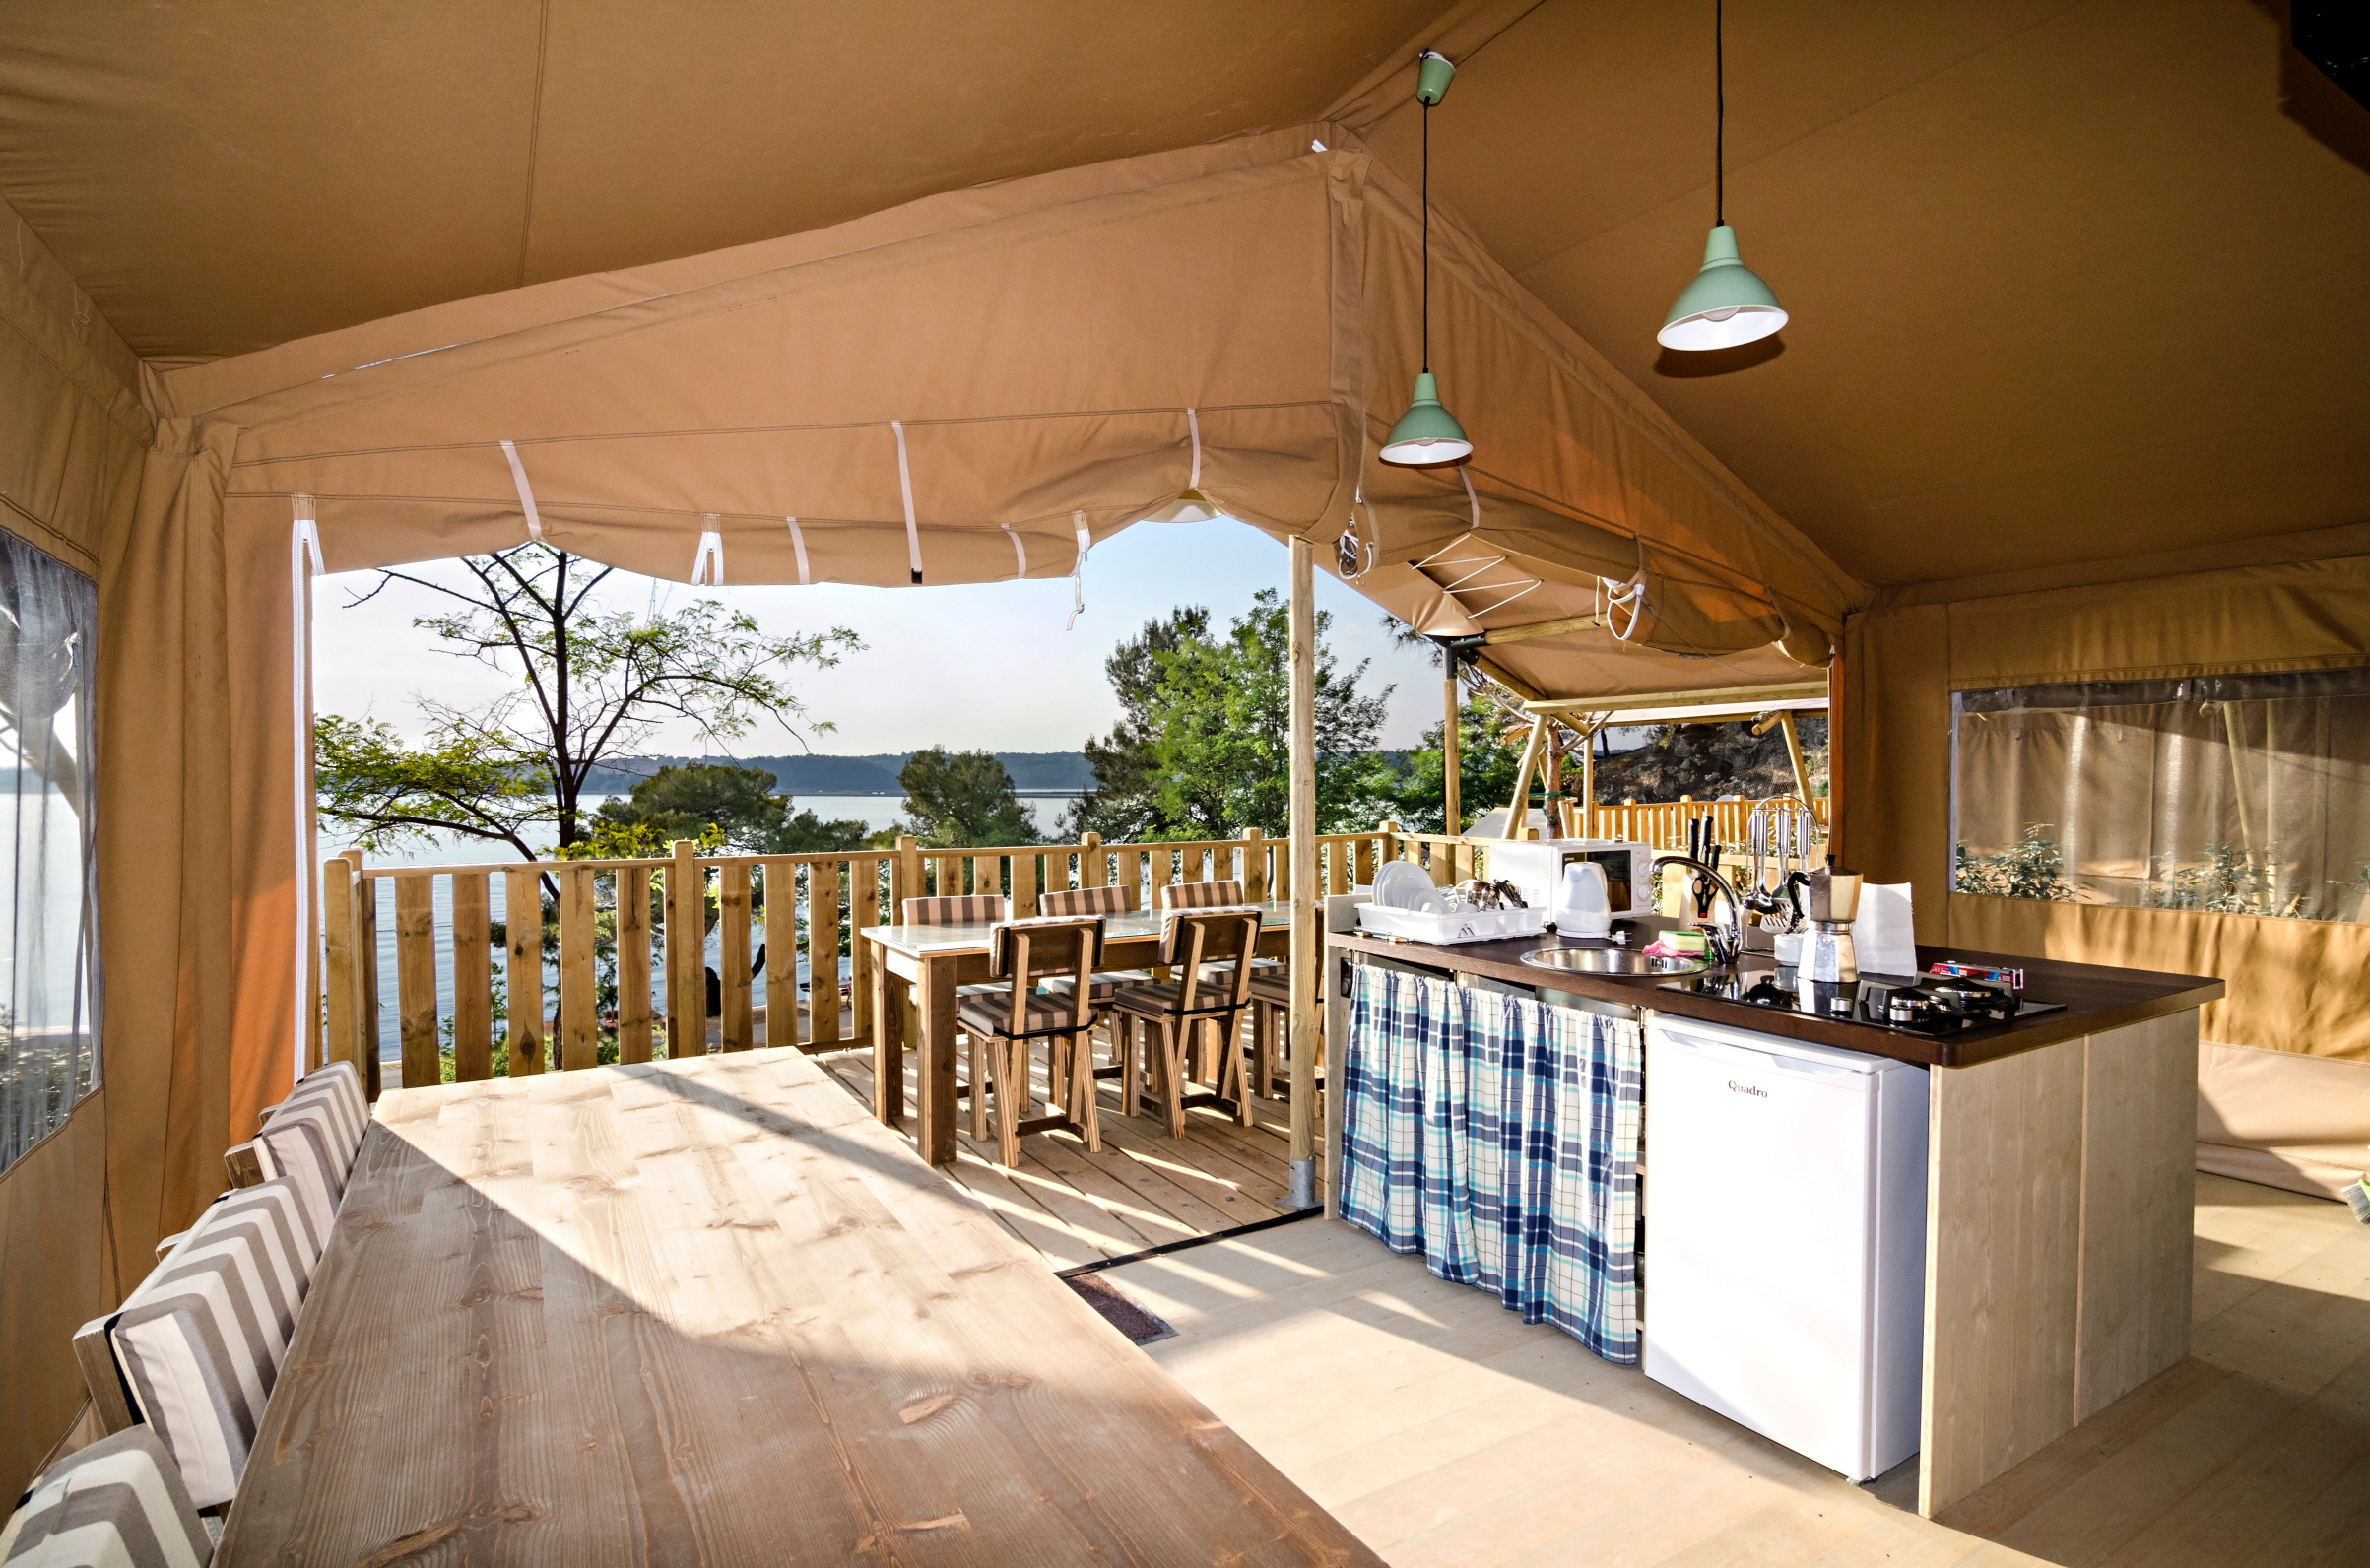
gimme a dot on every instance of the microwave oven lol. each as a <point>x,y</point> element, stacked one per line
<point>1535,868</point>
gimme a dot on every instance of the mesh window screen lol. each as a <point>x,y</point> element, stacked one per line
<point>49,991</point>
<point>2237,794</point>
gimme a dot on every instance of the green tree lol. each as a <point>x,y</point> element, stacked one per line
<point>1221,726</point>
<point>958,799</point>
<point>1124,804</point>
<point>739,802</point>
<point>1408,784</point>
<point>591,685</point>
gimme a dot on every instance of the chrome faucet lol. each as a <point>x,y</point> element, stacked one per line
<point>1727,943</point>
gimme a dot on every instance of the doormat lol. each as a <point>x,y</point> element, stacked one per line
<point>1140,1325</point>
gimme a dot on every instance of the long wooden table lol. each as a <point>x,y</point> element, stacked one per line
<point>936,959</point>
<point>710,1311</point>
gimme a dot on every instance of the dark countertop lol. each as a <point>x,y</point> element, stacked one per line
<point>2095,998</point>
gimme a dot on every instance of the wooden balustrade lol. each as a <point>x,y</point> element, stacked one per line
<point>613,922</point>
<point>1662,825</point>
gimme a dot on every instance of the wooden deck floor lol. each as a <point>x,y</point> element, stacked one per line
<point>1144,1189</point>
<point>1443,1430</point>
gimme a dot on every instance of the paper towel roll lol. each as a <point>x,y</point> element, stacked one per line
<point>1884,936</point>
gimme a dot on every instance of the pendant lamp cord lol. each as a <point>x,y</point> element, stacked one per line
<point>1719,118</point>
<point>1427,236</point>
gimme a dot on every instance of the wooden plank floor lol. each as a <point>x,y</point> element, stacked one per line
<point>1443,1430</point>
<point>1142,1189</point>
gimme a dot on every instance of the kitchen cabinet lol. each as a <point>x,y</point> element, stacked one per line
<point>2057,1185</point>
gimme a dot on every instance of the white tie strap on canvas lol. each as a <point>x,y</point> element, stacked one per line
<point>913,535</point>
<point>526,491</point>
<point>707,565</point>
<point>1078,570</point>
<point>1020,552</point>
<point>798,543</point>
<point>1470,500</point>
<point>304,551</point>
<point>1193,427</point>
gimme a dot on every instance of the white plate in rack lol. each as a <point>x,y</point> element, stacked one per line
<point>1448,926</point>
<point>1403,885</point>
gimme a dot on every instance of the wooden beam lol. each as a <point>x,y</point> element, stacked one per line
<point>1541,628</point>
<point>1794,754</point>
<point>1518,809</point>
<point>1732,697</point>
<point>1452,819</point>
<point>1506,678</point>
<point>1305,948</point>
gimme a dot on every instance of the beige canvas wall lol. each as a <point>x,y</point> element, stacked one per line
<point>72,431</point>
<point>2294,985</point>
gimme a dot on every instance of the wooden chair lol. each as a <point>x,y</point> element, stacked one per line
<point>1210,952</point>
<point>964,910</point>
<point>1201,895</point>
<point>118,1501</point>
<point>1226,893</point>
<point>1006,1027</point>
<point>1271,1015</point>
<point>1105,901</point>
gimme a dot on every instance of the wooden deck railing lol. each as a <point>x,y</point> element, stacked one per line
<point>608,924</point>
<point>1661,823</point>
<point>605,926</point>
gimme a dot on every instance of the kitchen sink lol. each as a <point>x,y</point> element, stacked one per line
<point>1611,960</point>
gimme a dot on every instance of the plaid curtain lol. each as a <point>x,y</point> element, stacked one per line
<point>1498,1137</point>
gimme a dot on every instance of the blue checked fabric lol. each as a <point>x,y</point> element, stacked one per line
<point>1499,1137</point>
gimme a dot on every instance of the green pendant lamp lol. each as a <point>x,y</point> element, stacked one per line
<point>1725,305</point>
<point>1427,435</point>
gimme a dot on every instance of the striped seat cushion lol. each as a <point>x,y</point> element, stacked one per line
<point>973,909</point>
<point>1111,900</point>
<point>303,1144</point>
<point>118,1504</point>
<point>342,1087</point>
<point>199,1344</point>
<point>1166,999</point>
<point>1045,1014</point>
<point>1201,895</point>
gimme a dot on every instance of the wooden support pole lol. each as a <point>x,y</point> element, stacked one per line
<point>1794,754</point>
<point>1452,816</point>
<point>732,956</point>
<point>1518,809</point>
<point>1306,944</point>
<point>365,955</point>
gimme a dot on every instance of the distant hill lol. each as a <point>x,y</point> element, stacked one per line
<point>1033,772</point>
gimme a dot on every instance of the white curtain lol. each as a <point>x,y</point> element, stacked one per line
<point>49,992</point>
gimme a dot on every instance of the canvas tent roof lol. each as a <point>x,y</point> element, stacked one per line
<point>960,390</point>
<point>2069,278</point>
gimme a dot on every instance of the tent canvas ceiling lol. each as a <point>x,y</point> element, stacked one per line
<point>2067,284</point>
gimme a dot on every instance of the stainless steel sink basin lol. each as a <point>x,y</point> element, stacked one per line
<point>1611,960</point>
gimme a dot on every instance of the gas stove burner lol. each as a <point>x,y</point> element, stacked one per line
<point>1931,1009</point>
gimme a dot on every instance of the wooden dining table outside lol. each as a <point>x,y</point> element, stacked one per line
<point>709,1311</point>
<point>933,960</point>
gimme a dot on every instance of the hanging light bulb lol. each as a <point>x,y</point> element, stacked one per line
<point>1725,304</point>
<point>1428,433</point>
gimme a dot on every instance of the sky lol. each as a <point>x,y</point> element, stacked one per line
<point>985,665</point>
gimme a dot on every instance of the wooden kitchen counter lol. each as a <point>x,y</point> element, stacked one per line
<point>2096,999</point>
<point>2058,1181</point>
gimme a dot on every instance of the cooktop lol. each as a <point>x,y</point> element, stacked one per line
<point>1865,1001</point>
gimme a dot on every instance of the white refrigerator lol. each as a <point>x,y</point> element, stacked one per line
<point>1785,1238</point>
